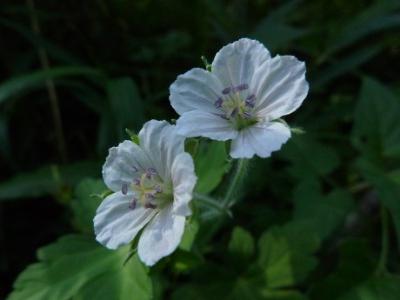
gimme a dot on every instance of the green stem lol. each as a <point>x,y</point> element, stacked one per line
<point>234,184</point>
<point>211,202</point>
<point>381,268</point>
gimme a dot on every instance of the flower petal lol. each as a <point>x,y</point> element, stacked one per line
<point>197,89</point>
<point>235,63</point>
<point>199,123</point>
<point>183,180</point>
<point>280,85</point>
<point>115,224</point>
<point>122,165</point>
<point>162,143</point>
<point>260,139</point>
<point>161,237</point>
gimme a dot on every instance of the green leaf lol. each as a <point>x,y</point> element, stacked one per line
<point>376,130</point>
<point>309,158</point>
<point>85,202</point>
<point>379,288</point>
<point>356,264</point>
<point>22,83</point>
<point>126,105</point>
<point>47,180</point>
<point>78,267</point>
<point>323,213</point>
<point>388,189</point>
<point>211,164</point>
<point>191,229</point>
<point>286,254</point>
<point>283,295</point>
<point>241,244</point>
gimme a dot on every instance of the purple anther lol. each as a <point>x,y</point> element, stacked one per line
<point>124,189</point>
<point>218,103</point>
<point>134,169</point>
<point>150,196</point>
<point>132,204</point>
<point>234,112</point>
<point>226,90</point>
<point>247,115</point>
<point>136,181</point>
<point>241,87</point>
<point>150,205</point>
<point>158,189</point>
<point>251,101</point>
<point>150,172</point>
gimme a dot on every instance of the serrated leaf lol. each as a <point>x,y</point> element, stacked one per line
<point>323,213</point>
<point>376,130</point>
<point>286,254</point>
<point>77,266</point>
<point>211,164</point>
<point>308,157</point>
<point>85,202</point>
<point>241,244</point>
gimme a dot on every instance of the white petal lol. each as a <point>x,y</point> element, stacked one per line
<point>183,181</point>
<point>280,86</point>
<point>123,164</point>
<point>260,139</point>
<point>197,89</point>
<point>199,123</point>
<point>235,63</point>
<point>115,224</point>
<point>162,143</point>
<point>161,236</point>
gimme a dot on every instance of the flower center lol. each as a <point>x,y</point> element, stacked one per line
<point>150,190</point>
<point>237,106</point>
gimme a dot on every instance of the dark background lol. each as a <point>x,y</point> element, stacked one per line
<point>111,63</point>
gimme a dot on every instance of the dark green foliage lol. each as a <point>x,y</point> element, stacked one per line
<point>319,220</point>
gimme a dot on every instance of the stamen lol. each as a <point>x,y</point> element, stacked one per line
<point>135,169</point>
<point>247,115</point>
<point>132,204</point>
<point>150,172</point>
<point>158,189</point>
<point>234,112</point>
<point>136,181</point>
<point>124,189</point>
<point>218,103</point>
<point>150,205</point>
<point>241,87</point>
<point>250,101</point>
<point>226,90</point>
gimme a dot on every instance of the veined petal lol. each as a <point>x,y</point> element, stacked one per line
<point>236,63</point>
<point>162,143</point>
<point>280,85</point>
<point>115,224</point>
<point>183,181</point>
<point>197,89</point>
<point>199,123</point>
<point>161,236</point>
<point>123,164</point>
<point>260,139</point>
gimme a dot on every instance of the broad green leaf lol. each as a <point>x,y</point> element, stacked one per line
<point>308,157</point>
<point>85,202</point>
<point>388,189</point>
<point>376,122</point>
<point>78,267</point>
<point>356,264</point>
<point>25,82</point>
<point>211,164</point>
<point>286,254</point>
<point>241,244</point>
<point>323,213</point>
<point>379,288</point>
<point>126,105</point>
<point>47,180</point>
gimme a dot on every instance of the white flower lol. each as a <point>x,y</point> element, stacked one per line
<point>241,98</point>
<point>152,186</point>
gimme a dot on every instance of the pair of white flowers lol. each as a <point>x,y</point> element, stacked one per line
<point>240,99</point>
